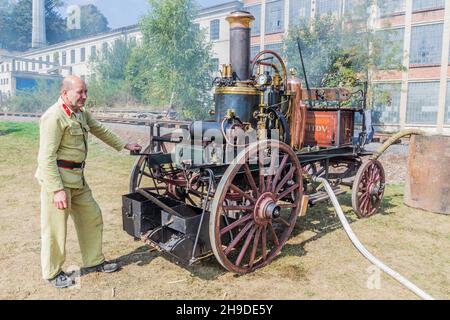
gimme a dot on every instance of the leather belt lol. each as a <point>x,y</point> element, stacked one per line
<point>65,164</point>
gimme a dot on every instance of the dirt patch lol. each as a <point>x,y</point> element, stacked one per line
<point>318,262</point>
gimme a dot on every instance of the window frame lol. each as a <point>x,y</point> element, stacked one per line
<point>427,8</point>
<point>214,25</point>
<point>411,91</point>
<point>438,52</point>
<point>268,24</point>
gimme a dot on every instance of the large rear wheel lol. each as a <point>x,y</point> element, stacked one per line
<point>256,206</point>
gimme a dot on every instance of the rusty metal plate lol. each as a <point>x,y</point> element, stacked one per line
<point>428,180</point>
<point>323,128</point>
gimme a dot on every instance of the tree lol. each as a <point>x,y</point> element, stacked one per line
<point>108,87</point>
<point>174,64</point>
<point>16,24</point>
<point>342,52</point>
<point>5,11</point>
<point>92,21</point>
<point>111,63</point>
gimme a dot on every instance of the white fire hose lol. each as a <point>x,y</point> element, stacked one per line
<point>364,251</point>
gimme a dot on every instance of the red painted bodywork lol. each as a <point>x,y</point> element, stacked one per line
<point>322,128</point>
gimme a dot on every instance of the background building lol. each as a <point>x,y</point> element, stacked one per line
<point>419,96</point>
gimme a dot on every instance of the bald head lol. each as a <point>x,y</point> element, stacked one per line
<point>71,81</point>
<point>73,92</point>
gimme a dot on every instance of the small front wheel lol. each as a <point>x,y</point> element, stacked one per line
<point>368,189</point>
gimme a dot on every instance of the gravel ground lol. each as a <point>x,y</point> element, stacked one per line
<point>394,159</point>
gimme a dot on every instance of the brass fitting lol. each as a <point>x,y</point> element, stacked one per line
<point>227,71</point>
<point>231,113</point>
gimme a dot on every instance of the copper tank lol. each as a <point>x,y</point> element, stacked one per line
<point>297,121</point>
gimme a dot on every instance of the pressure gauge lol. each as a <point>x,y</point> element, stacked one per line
<point>263,79</point>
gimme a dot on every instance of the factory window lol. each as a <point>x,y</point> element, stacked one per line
<point>64,58</point>
<point>386,104</point>
<point>40,63</point>
<point>72,56</point>
<point>7,67</point>
<point>274,17</point>
<point>277,47</point>
<point>196,27</point>
<point>18,66</point>
<point>426,44</point>
<point>423,102</point>
<point>328,7</point>
<point>82,54</point>
<point>26,66</point>
<point>215,64</point>
<point>33,66</point>
<point>419,5</point>
<point>254,51</point>
<point>300,10</point>
<point>93,52</point>
<point>215,29</point>
<point>351,6</point>
<point>447,104</point>
<point>104,47</point>
<point>3,68</point>
<point>391,54</point>
<point>256,25</point>
<point>56,57</point>
<point>390,7</point>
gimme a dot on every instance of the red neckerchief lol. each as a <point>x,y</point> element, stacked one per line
<point>67,110</point>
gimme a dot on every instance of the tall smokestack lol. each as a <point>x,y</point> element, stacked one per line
<point>38,32</point>
<point>240,43</point>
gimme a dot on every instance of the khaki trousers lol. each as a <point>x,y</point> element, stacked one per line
<point>87,217</point>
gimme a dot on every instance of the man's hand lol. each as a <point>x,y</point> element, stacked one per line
<point>60,199</point>
<point>133,147</point>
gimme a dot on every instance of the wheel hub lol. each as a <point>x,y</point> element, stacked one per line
<point>266,209</point>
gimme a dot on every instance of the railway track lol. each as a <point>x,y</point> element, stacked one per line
<point>125,118</point>
<point>135,117</point>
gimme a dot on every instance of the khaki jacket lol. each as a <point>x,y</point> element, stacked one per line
<point>63,136</point>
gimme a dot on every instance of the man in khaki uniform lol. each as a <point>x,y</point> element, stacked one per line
<point>64,130</point>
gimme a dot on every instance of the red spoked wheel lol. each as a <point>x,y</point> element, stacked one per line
<point>368,189</point>
<point>162,180</point>
<point>255,206</point>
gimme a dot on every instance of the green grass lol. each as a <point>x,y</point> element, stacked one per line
<point>19,130</point>
<point>318,261</point>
